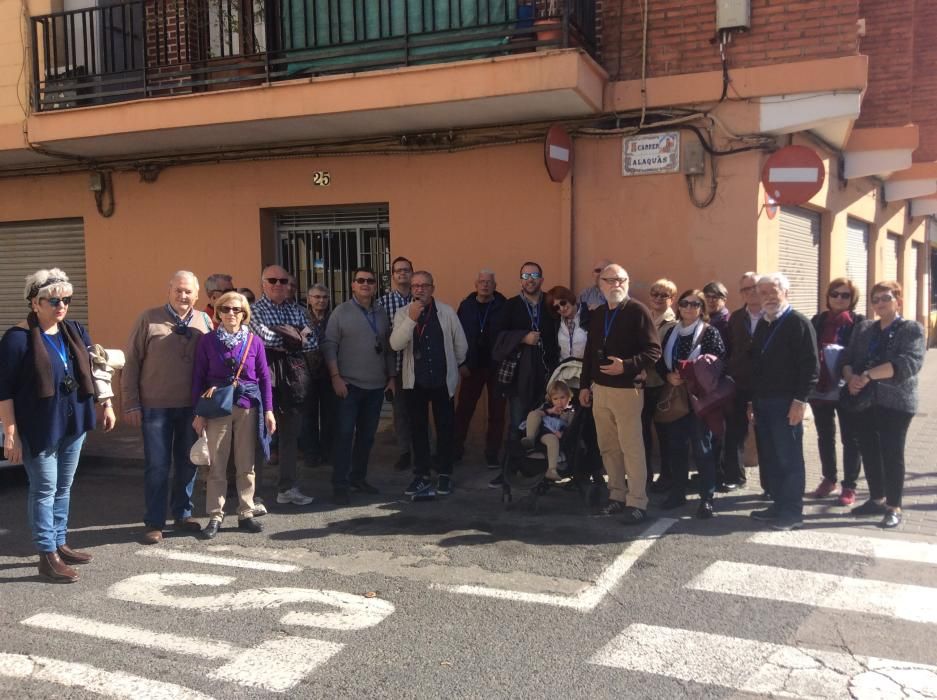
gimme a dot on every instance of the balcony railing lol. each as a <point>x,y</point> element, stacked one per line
<point>132,49</point>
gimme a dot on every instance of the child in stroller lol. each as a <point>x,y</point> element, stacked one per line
<point>548,423</point>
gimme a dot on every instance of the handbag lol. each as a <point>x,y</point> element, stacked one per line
<point>218,401</point>
<point>199,454</point>
<point>673,404</point>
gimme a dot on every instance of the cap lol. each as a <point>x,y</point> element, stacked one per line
<point>716,288</point>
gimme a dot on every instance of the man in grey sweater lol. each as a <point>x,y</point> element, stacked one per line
<point>361,366</point>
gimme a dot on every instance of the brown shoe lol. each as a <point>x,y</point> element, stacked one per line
<point>53,568</point>
<point>187,524</point>
<point>153,535</point>
<point>73,556</point>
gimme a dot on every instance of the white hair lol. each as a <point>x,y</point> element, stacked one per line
<point>184,274</point>
<point>212,282</point>
<point>779,279</point>
<point>487,271</point>
<point>318,287</point>
<point>424,274</point>
<point>750,274</point>
<point>624,271</point>
<point>43,284</point>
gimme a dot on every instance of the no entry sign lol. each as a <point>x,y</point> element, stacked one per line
<point>793,175</point>
<point>558,153</point>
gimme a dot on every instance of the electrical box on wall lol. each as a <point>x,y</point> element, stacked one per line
<point>733,14</point>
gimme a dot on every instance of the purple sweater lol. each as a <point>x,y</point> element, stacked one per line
<point>213,369</point>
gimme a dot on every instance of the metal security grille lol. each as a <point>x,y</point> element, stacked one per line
<point>324,245</point>
<point>911,294</point>
<point>799,257</point>
<point>890,257</point>
<point>857,260</point>
<point>34,245</point>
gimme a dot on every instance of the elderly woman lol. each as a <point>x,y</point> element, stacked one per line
<point>47,408</point>
<point>834,329</point>
<point>688,340</point>
<point>321,406</point>
<point>880,366</point>
<point>232,354</point>
<point>660,304</point>
<point>574,320</point>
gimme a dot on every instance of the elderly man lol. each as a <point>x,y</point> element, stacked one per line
<point>593,297</point>
<point>216,285</point>
<point>279,321</point>
<point>785,369</point>
<point>401,270</point>
<point>623,343</point>
<point>316,440</point>
<point>156,386</point>
<point>361,367</point>
<point>480,315</point>
<point>742,324</point>
<point>430,338</point>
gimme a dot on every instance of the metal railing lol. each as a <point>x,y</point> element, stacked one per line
<point>131,49</point>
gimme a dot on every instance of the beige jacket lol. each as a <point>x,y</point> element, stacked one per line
<point>456,346</point>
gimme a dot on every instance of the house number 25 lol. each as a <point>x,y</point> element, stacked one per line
<point>321,178</point>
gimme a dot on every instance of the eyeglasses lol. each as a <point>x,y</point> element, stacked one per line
<point>713,297</point>
<point>277,280</point>
<point>842,295</point>
<point>746,290</point>
<point>420,286</point>
<point>883,298</point>
<point>231,309</point>
<point>689,303</point>
<point>615,280</point>
<point>531,275</point>
<point>408,270</point>
<point>365,280</point>
<point>561,304</point>
<point>661,295</point>
<point>59,301</point>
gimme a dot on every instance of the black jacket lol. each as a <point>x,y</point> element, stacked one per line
<point>785,363</point>
<point>471,324</point>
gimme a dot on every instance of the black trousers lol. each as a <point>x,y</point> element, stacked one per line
<point>826,442</point>
<point>882,433</point>
<point>651,397</point>
<point>732,467</point>
<point>419,400</point>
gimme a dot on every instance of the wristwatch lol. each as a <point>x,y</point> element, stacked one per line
<point>867,375</point>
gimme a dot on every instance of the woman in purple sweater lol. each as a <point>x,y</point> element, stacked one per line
<point>217,358</point>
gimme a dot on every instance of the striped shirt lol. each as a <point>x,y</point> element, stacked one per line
<point>265,314</point>
<point>392,302</point>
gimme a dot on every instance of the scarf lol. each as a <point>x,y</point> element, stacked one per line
<point>231,340</point>
<point>681,331</point>
<point>43,365</point>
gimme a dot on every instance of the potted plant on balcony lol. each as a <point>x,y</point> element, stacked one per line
<point>548,15</point>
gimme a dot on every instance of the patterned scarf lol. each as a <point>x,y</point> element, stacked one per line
<point>231,340</point>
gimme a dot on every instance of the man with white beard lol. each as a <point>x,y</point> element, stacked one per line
<point>622,344</point>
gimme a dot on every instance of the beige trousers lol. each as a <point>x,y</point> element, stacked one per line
<point>550,441</point>
<point>240,430</point>
<point>617,415</point>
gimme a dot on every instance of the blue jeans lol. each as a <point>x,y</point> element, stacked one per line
<point>355,426</point>
<point>691,432</point>
<point>167,439</point>
<point>781,454</point>
<point>50,490</point>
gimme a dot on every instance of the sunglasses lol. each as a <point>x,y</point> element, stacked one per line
<point>59,301</point>
<point>883,298</point>
<point>231,309</point>
<point>689,303</point>
<point>841,295</point>
<point>365,280</point>
<point>561,304</point>
<point>661,295</point>
<point>531,275</point>
<point>277,280</point>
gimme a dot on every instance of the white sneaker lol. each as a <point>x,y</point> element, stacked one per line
<point>294,496</point>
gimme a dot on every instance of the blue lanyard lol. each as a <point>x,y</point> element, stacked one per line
<point>58,347</point>
<point>534,313</point>
<point>482,320</point>
<point>368,316</point>
<point>610,321</point>
<point>774,329</point>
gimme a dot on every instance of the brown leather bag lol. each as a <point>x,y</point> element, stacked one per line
<point>673,404</point>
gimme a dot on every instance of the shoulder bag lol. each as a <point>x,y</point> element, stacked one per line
<point>218,401</point>
<point>673,404</point>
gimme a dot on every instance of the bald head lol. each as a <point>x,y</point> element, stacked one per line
<point>275,281</point>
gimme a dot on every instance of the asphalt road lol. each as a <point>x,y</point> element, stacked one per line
<point>462,598</point>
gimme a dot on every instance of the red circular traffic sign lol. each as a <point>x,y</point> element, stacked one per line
<point>558,153</point>
<point>793,175</point>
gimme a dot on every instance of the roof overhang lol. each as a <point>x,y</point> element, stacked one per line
<point>879,151</point>
<point>920,180</point>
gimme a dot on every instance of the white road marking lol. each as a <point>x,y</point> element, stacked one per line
<point>355,611</point>
<point>589,597</point>
<point>906,602</point>
<point>763,668</point>
<point>876,547</point>
<point>276,665</point>
<point>216,560</point>
<point>114,684</point>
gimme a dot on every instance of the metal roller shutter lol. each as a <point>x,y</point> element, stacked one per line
<point>857,260</point>
<point>890,258</point>
<point>799,257</point>
<point>911,293</point>
<point>34,245</point>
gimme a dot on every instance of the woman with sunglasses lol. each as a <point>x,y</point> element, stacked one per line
<point>834,329</point>
<point>690,338</point>
<point>573,322</point>
<point>47,408</point>
<point>232,350</point>
<point>880,366</point>
<point>660,304</point>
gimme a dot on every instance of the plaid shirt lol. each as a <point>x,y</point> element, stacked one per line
<point>264,314</point>
<point>392,302</point>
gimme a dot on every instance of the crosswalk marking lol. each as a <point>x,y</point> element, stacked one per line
<point>217,560</point>
<point>876,547</point>
<point>914,603</point>
<point>114,684</point>
<point>763,668</point>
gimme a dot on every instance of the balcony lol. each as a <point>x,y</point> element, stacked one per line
<point>137,49</point>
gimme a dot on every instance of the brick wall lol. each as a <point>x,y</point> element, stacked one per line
<point>680,34</point>
<point>924,86</point>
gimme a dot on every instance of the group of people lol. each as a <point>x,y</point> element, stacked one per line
<point>682,367</point>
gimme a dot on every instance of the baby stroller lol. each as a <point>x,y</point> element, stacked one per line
<point>579,466</point>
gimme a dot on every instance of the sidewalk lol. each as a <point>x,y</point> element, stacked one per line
<point>124,447</point>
